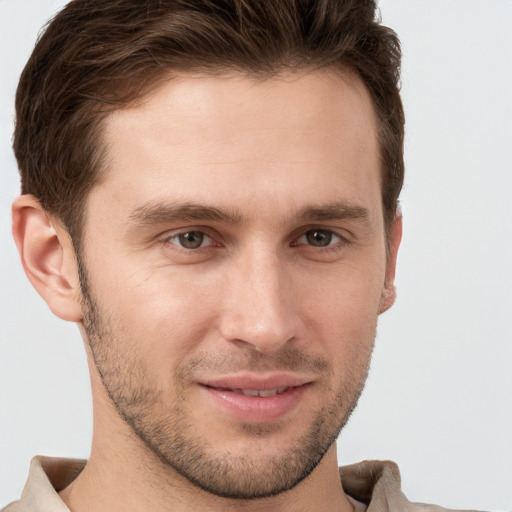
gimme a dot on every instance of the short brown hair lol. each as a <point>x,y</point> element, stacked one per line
<point>100,55</point>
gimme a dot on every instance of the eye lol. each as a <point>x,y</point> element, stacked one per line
<point>191,240</point>
<point>319,238</point>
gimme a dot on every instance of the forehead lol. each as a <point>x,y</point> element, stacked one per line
<point>289,136</point>
<point>215,107</point>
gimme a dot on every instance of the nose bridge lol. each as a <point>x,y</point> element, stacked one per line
<point>259,310</point>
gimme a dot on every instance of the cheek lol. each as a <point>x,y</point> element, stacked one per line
<point>159,315</point>
<point>343,308</point>
<point>352,288</point>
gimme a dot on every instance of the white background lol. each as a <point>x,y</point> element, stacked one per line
<point>438,400</point>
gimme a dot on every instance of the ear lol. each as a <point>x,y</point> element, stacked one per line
<point>389,291</point>
<point>47,257</point>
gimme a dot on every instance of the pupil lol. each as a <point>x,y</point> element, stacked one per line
<point>319,238</point>
<point>191,240</point>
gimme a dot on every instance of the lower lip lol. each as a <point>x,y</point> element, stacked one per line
<point>257,409</point>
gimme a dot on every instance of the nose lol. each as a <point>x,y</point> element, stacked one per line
<point>259,304</point>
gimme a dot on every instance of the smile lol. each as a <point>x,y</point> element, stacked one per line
<point>253,399</point>
<point>256,392</point>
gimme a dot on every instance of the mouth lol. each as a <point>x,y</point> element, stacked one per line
<point>255,399</point>
<point>255,392</point>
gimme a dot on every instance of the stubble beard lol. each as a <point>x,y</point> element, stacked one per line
<point>168,434</point>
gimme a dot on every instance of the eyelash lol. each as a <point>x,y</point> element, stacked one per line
<point>330,246</point>
<point>168,240</point>
<point>340,243</point>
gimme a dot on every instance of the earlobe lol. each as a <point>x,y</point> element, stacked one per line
<point>47,257</point>
<point>387,298</point>
<point>395,237</point>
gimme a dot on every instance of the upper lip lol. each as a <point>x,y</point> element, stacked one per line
<point>257,382</point>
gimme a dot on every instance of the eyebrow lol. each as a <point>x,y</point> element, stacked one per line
<point>333,211</point>
<point>161,213</point>
<point>153,213</point>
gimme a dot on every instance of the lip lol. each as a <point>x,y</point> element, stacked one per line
<point>259,382</point>
<point>225,393</point>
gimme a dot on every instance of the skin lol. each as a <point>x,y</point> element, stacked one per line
<point>264,173</point>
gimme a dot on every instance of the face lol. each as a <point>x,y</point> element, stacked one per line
<point>234,267</point>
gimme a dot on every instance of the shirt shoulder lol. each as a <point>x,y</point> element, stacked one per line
<point>15,506</point>
<point>378,485</point>
<point>46,478</point>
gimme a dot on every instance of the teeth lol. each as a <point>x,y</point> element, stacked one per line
<point>249,392</point>
<point>263,392</point>
<point>268,392</point>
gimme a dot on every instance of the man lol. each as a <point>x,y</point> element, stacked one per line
<point>210,192</point>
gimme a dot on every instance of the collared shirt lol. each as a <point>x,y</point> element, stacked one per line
<point>375,484</point>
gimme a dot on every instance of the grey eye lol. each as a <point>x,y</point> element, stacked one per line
<point>319,237</point>
<point>190,239</point>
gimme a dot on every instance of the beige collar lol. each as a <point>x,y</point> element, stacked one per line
<point>373,483</point>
